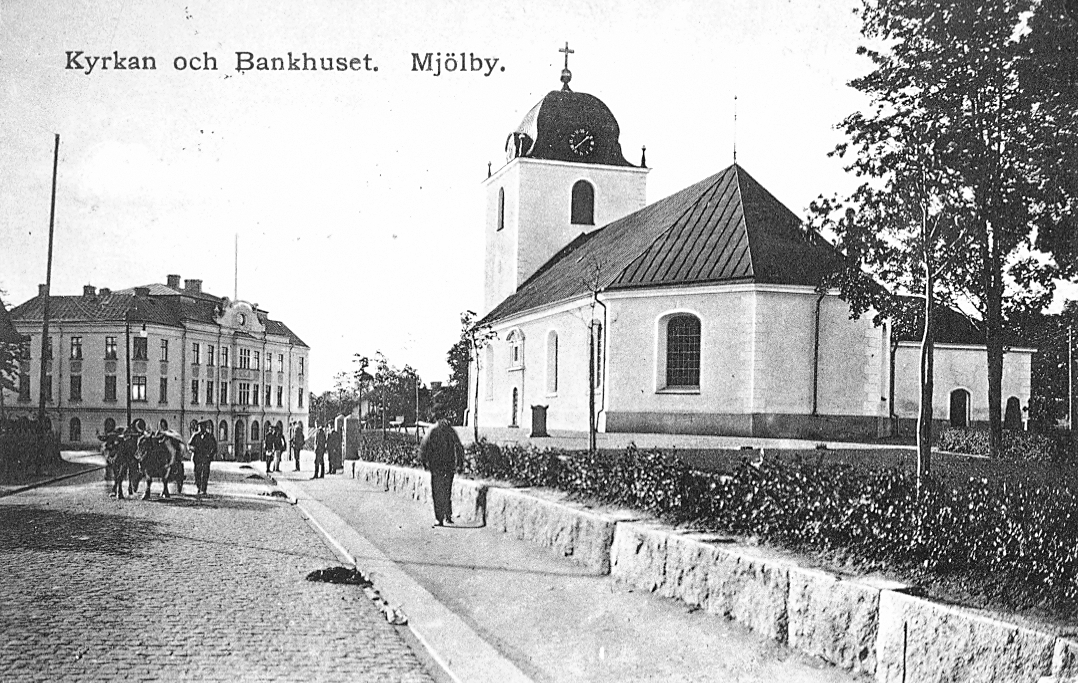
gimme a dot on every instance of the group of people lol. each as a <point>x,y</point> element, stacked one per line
<point>26,445</point>
<point>331,444</point>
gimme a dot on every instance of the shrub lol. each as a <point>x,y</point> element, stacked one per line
<point>1018,446</point>
<point>1013,538</point>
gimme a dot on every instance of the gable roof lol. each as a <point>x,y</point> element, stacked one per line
<point>725,228</point>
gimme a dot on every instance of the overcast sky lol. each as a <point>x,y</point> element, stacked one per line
<point>356,196</point>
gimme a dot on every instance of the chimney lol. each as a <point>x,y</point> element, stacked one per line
<point>174,281</point>
<point>89,290</point>
<point>192,286</point>
<point>105,291</point>
<point>41,290</point>
<point>142,291</point>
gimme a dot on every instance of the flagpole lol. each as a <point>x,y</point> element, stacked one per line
<point>48,286</point>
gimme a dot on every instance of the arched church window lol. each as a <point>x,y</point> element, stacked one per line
<point>501,208</point>
<point>959,413</point>
<point>516,349</point>
<point>583,210</point>
<point>552,362</point>
<point>683,351</point>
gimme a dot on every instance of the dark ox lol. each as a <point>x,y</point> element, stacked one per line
<point>120,449</point>
<point>160,456</point>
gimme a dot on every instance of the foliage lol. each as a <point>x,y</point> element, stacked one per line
<point>1009,539</point>
<point>1018,446</point>
<point>451,401</point>
<point>971,111</point>
<point>1048,334</point>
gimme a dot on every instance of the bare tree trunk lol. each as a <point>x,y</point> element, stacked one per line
<point>924,417</point>
<point>994,345</point>
<point>475,403</point>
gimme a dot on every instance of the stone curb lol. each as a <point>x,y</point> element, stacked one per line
<point>53,480</point>
<point>449,641</point>
<point>867,626</point>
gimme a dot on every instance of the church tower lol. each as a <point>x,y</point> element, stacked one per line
<point>565,175</point>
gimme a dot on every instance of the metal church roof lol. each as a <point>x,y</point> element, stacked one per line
<point>725,228</point>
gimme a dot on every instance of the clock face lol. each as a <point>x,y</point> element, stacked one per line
<point>582,142</point>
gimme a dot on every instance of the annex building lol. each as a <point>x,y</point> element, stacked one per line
<point>181,355</point>
<point>695,314</point>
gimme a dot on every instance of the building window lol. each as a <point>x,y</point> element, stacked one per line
<point>196,354</point>
<point>552,362</point>
<point>194,392</point>
<point>301,366</point>
<point>74,431</point>
<point>222,432</point>
<point>301,397</point>
<point>47,353</point>
<point>280,397</point>
<point>24,387</point>
<point>245,392</point>
<point>597,330</point>
<point>489,369</point>
<point>501,208</point>
<point>110,388</point>
<point>48,388</point>
<point>254,394</point>
<point>254,364</point>
<point>140,350</point>
<point>209,354</point>
<point>164,390</point>
<point>224,356</point>
<point>245,359</point>
<point>164,350</point>
<point>516,349</point>
<point>583,210</point>
<point>269,362</point>
<point>138,388</point>
<point>222,396</point>
<point>254,430</point>
<point>76,348</point>
<point>280,361</point>
<point>959,408</point>
<point>76,388</point>
<point>269,395</point>
<point>680,352</point>
<point>110,425</point>
<point>110,348</point>
<point>24,350</point>
<point>209,392</point>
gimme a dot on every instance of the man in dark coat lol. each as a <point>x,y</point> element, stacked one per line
<point>441,452</point>
<point>320,454</point>
<point>203,447</point>
<point>333,447</point>
<point>297,443</point>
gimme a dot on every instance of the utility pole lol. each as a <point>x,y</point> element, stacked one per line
<point>127,358</point>
<point>48,286</point>
<point>1070,378</point>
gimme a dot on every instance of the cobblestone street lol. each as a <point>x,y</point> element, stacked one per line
<point>95,589</point>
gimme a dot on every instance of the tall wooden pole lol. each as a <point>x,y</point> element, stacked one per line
<point>48,285</point>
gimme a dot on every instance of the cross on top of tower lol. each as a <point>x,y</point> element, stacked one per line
<point>566,75</point>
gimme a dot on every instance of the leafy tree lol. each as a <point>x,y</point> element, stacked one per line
<point>451,401</point>
<point>960,96</point>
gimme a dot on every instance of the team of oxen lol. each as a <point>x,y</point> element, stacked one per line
<point>134,454</point>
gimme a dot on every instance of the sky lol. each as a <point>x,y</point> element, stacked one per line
<point>356,197</point>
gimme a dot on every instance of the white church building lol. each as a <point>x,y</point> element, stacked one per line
<point>696,314</point>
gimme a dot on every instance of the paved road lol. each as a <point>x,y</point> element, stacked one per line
<point>94,589</point>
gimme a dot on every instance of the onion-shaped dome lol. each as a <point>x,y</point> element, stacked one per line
<point>568,126</point>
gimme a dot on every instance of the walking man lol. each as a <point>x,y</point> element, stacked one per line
<point>442,453</point>
<point>320,454</point>
<point>333,447</point>
<point>203,448</point>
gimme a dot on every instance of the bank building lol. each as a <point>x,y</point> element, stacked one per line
<point>695,314</point>
<point>171,352</point>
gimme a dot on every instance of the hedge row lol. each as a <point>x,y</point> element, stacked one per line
<point>1012,541</point>
<point>1018,446</point>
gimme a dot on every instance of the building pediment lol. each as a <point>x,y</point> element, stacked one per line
<point>239,316</point>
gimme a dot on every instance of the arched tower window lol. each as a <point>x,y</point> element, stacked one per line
<point>501,208</point>
<point>552,362</point>
<point>583,210</point>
